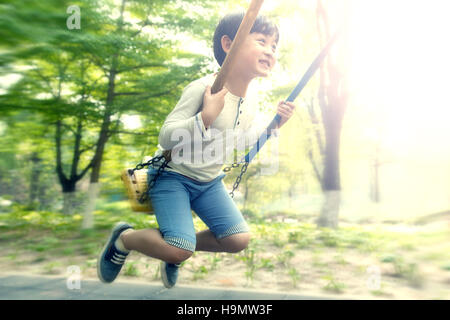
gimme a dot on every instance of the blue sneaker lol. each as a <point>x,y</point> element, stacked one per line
<point>169,274</point>
<point>111,259</point>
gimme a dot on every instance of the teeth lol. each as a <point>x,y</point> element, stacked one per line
<point>266,63</point>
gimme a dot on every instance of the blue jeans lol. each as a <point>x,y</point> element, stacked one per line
<point>174,195</point>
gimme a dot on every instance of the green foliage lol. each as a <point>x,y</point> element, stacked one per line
<point>267,264</point>
<point>86,80</point>
<point>295,276</point>
<point>213,261</point>
<point>333,285</point>
<point>52,233</point>
<point>157,273</point>
<point>301,238</point>
<point>130,269</point>
<point>249,259</point>
<point>67,80</point>
<point>53,240</point>
<point>200,272</point>
<point>51,267</point>
<point>446,267</point>
<point>328,238</point>
<point>285,257</point>
<point>406,270</point>
<point>388,258</point>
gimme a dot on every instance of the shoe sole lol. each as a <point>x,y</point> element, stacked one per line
<point>100,257</point>
<point>164,276</point>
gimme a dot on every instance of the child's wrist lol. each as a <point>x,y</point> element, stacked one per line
<point>205,120</point>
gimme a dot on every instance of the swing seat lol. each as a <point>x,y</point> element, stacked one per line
<point>136,186</point>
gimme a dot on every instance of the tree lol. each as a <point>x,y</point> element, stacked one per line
<point>332,97</point>
<point>91,77</point>
<point>128,57</point>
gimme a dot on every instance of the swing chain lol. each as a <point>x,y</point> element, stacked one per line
<point>151,162</point>
<point>161,168</point>
<point>238,179</point>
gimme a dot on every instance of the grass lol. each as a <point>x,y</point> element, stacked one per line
<point>200,272</point>
<point>317,261</point>
<point>267,264</point>
<point>285,258</point>
<point>302,239</point>
<point>380,292</point>
<point>294,275</point>
<point>130,269</point>
<point>91,263</point>
<point>332,285</point>
<point>12,256</point>
<point>406,270</point>
<point>249,259</point>
<point>340,260</point>
<point>275,246</point>
<point>446,266</point>
<point>52,268</point>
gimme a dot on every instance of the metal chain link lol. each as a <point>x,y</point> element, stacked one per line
<point>161,168</point>
<point>150,185</point>
<point>238,178</point>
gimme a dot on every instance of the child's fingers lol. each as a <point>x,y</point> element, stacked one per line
<point>285,108</point>
<point>208,90</point>
<point>223,92</point>
<point>283,113</point>
<point>289,104</point>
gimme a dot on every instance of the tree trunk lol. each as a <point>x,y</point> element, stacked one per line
<point>70,204</point>
<point>333,102</point>
<point>329,215</point>
<point>331,178</point>
<point>291,194</point>
<point>94,186</point>
<point>35,176</point>
<point>331,173</point>
<point>375,185</point>
<point>331,183</point>
<point>69,197</point>
<point>88,218</point>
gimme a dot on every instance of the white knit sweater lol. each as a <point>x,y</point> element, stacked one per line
<point>200,153</point>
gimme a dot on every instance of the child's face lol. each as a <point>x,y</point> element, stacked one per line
<point>257,55</point>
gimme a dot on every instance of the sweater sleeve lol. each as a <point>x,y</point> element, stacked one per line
<point>185,118</point>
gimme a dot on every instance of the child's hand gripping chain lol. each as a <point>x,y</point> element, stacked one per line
<point>212,105</point>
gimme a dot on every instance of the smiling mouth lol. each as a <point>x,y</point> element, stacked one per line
<point>264,62</point>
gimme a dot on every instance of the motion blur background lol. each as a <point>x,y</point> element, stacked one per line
<point>78,104</point>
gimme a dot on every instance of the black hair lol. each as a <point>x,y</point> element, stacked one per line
<point>229,26</point>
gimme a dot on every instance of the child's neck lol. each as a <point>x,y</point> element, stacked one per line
<point>237,85</point>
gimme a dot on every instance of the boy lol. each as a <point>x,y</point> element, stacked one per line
<point>193,184</point>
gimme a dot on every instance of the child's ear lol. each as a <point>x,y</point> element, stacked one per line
<point>226,43</point>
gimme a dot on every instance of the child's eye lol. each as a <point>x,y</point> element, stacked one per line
<point>262,40</point>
